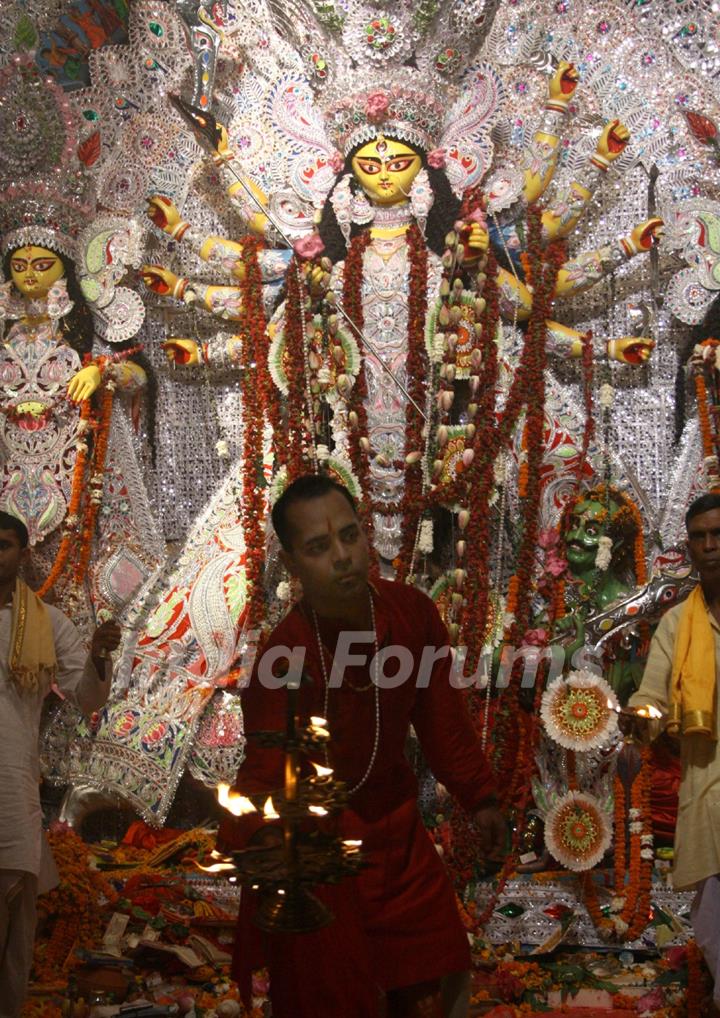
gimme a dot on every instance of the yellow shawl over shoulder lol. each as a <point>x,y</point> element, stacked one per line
<point>692,702</point>
<point>32,645</point>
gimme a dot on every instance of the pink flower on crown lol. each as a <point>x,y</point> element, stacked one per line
<point>535,638</point>
<point>555,564</point>
<point>309,247</point>
<point>548,538</point>
<point>437,158</point>
<point>376,107</point>
<point>336,162</point>
<point>478,216</point>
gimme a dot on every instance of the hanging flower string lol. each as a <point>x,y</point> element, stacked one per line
<point>708,408</point>
<point>96,482</point>
<point>256,401</point>
<point>417,375</point>
<point>543,270</point>
<point>589,427</point>
<point>291,451</point>
<point>515,759</point>
<point>77,488</point>
<point>630,904</point>
<point>475,523</point>
<point>359,444</point>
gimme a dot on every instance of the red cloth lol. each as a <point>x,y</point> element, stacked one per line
<point>666,773</point>
<point>396,923</point>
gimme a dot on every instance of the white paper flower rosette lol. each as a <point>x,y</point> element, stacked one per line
<point>578,832</point>
<point>579,711</point>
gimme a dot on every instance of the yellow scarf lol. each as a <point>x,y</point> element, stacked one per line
<point>692,703</point>
<point>32,645</point>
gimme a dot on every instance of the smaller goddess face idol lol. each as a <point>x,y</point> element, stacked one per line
<point>34,270</point>
<point>386,169</point>
<point>588,524</point>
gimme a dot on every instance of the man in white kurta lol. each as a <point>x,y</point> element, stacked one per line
<point>697,832</point>
<point>26,865</point>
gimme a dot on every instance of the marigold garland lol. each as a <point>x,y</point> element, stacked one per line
<point>710,438</point>
<point>630,906</point>
<point>73,905</point>
<point>96,482</point>
<point>256,400</point>
<point>77,487</point>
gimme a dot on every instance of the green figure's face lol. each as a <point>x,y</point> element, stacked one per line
<point>588,524</point>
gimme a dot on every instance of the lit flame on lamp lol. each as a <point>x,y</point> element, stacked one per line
<point>238,805</point>
<point>269,811</point>
<point>322,772</point>
<point>222,866</point>
<point>318,811</point>
<point>648,711</point>
<point>318,726</point>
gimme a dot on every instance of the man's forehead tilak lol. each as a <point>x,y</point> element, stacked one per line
<point>323,522</point>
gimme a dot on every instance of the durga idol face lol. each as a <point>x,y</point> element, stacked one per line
<point>386,169</point>
<point>34,270</point>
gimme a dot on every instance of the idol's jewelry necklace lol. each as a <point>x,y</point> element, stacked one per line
<point>373,681</point>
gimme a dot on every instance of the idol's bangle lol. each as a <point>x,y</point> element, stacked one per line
<point>553,120</point>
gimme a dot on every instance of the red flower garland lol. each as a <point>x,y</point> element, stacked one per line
<point>478,483</point>
<point>544,267</point>
<point>352,302</point>
<point>588,365</point>
<point>257,399</point>
<point>293,453</point>
<point>417,378</point>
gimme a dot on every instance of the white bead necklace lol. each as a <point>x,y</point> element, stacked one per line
<point>374,678</point>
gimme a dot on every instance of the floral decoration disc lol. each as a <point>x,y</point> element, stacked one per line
<point>577,831</point>
<point>322,365</point>
<point>579,711</point>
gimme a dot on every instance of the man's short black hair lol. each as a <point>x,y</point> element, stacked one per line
<point>702,505</point>
<point>303,489</point>
<point>8,522</point>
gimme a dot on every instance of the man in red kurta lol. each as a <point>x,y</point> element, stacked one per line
<point>396,931</point>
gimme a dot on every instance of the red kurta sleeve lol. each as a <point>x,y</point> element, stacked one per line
<point>445,730</point>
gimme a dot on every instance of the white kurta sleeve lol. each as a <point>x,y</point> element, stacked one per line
<point>76,676</point>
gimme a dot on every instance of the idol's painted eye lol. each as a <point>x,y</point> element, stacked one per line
<point>400,164</point>
<point>44,264</point>
<point>369,166</point>
<point>19,266</point>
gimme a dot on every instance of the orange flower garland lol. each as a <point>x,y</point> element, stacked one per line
<point>69,539</point>
<point>97,476</point>
<point>710,443</point>
<point>704,415</point>
<point>630,908</point>
<point>256,399</point>
<point>72,905</point>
